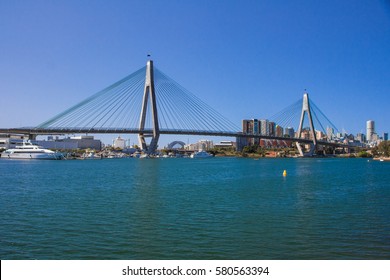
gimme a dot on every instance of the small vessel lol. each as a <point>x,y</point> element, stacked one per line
<point>144,156</point>
<point>201,154</point>
<point>29,151</point>
<point>91,155</point>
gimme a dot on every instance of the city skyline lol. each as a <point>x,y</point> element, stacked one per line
<point>245,59</point>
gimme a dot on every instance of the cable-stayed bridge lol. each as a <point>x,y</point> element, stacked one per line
<point>149,103</point>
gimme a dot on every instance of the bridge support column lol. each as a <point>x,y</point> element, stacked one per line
<point>306,109</point>
<point>149,93</point>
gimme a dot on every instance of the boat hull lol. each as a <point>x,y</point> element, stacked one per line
<point>201,154</point>
<point>47,156</point>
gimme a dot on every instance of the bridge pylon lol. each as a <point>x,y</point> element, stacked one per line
<point>306,110</point>
<point>149,93</point>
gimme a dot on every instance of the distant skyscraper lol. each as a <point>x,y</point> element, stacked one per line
<point>279,131</point>
<point>255,126</point>
<point>361,137</point>
<point>271,128</point>
<point>251,127</point>
<point>329,132</point>
<point>385,136</point>
<point>264,127</point>
<point>247,126</point>
<point>289,131</point>
<point>370,130</point>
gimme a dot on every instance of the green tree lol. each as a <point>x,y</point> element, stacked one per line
<point>260,151</point>
<point>250,149</point>
<point>363,154</point>
<point>383,149</point>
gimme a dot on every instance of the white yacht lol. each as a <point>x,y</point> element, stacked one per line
<point>29,151</point>
<point>201,154</point>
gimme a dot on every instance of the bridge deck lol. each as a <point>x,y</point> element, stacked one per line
<point>62,131</point>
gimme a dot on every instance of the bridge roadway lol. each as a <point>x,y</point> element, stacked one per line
<point>62,131</point>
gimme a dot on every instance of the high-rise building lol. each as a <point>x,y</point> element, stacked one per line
<point>264,127</point>
<point>370,130</point>
<point>271,128</point>
<point>255,126</point>
<point>361,137</point>
<point>279,131</point>
<point>251,127</point>
<point>329,133</point>
<point>385,136</point>
<point>289,132</point>
<point>119,143</point>
<point>256,131</point>
<point>204,145</point>
<point>247,126</point>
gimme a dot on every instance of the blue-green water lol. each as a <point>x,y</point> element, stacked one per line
<point>219,208</point>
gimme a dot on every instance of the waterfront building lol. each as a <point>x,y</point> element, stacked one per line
<point>205,144</point>
<point>119,143</point>
<point>264,143</point>
<point>200,145</point>
<point>225,144</point>
<point>370,127</point>
<point>70,143</point>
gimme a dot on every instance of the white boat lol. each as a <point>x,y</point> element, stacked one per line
<point>29,151</point>
<point>144,156</point>
<point>201,154</point>
<point>91,155</point>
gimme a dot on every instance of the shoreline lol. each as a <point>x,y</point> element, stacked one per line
<point>382,158</point>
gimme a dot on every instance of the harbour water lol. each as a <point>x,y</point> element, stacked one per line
<point>219,208</point>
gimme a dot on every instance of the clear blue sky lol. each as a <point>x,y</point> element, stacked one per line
<point>246,59</point>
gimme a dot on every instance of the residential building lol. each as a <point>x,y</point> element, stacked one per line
<point>278,131</point>
<point>264,127</point>
<point>289,132</point>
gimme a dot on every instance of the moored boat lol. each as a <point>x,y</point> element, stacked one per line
<point>201,154</point>
<point>29,151</point>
